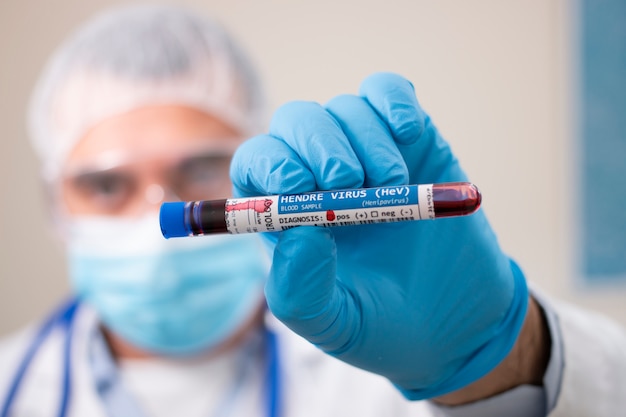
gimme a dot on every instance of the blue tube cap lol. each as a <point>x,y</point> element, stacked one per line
<point>172,220</point>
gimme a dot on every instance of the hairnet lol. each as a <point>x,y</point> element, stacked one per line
<point>134,56</point>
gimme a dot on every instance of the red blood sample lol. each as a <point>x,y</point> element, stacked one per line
<point>455,199</point>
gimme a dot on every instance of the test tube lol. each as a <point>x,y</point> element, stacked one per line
<point>319,208</point>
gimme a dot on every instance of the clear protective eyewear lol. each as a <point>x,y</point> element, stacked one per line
<point>117,183</point>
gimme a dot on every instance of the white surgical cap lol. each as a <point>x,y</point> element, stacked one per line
<point>135,56</point>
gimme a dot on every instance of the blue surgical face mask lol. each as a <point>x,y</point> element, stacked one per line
<point>177,296</point>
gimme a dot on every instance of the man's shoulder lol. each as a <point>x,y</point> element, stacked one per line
<point>15,342</point>
<point>13,347</point>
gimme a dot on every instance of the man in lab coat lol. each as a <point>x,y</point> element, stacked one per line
<point>149,104</point>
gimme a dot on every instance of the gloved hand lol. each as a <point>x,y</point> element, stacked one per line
<point>431,305</point>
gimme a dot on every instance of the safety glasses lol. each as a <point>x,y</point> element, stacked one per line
<point>119,184</point>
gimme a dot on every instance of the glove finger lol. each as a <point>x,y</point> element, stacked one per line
<point>265,165</point>
<point>318,140</point>
<point>427,155</point>
<point>370,139</point>
<point>302,290</point>
<point>393,98</point>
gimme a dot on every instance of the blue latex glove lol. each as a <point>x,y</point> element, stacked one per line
<point>431,305</point>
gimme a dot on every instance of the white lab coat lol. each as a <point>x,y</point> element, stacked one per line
<point>314,384</point>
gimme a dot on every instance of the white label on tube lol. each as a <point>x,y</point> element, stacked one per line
<point>330,208</point>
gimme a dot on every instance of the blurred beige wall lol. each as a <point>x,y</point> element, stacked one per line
<point>496,77</point>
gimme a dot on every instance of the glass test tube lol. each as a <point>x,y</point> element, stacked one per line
<point>319,208</point>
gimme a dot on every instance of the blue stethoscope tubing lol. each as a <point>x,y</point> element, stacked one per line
<point>272,379</point>
<point>64,319</point>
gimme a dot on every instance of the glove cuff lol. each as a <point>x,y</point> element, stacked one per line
<point>490,354</point>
